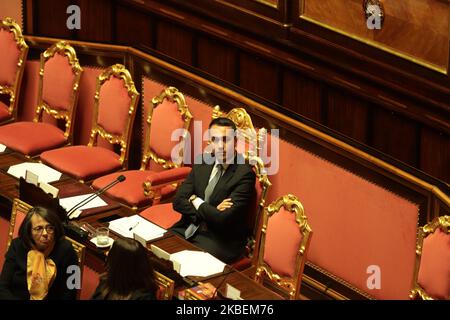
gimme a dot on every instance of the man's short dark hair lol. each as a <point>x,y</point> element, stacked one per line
<point>223,122</point>
<point>46,214</point>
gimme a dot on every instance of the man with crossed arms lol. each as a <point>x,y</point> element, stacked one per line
<point>215,198</point>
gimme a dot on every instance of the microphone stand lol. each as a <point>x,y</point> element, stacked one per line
<point>95,195</point>
<point>75,231</point>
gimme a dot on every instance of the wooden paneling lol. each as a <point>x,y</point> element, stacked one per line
<point>50,18</point>
<point>418,28</point>
<point>96,20</point>
<point>133,27</point>
<point>396,136</point>
<point>435,153</point>
<point>259,76</point>
<point>347,114</point>
<point>302,95</point>
<point>174,41</point>
<point>217,59</point>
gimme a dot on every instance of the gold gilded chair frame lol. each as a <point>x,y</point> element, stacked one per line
<point>118,71</point>
<point>245,127</point>
<point>13,91</point>
<point>18,206</point>
<point>289,285</point>
<point>80,250</point>
<point>442,222</point>
<point>167,284</point>
<point>65,49</point>
<point>172,94</point>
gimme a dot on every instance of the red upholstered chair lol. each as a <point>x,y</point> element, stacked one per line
<point>13,53</point>
<point>432,269</point>
<point>168,112</point>
<point>114,110</point>
<point>283,245</point>
<point>59,77</point>
<point>165,216</point>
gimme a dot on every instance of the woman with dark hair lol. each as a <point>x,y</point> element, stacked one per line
<point>129,273</point>
<point>36,263</point>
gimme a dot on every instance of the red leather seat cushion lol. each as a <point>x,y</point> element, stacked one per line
<point>130,191</point>
<point>31,138</point>
<point>82,162</point>
<point>161,214</point>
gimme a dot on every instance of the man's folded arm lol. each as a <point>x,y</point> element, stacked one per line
<point>181,202</point>
<point>240,197</point>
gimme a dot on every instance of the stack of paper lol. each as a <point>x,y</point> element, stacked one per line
<point>45,173</point>
<point>128,226</point>
<point>70,202</point>
<point>197,263</point>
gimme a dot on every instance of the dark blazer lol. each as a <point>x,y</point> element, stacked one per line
<point>222,233</point>
<point>13,280</point>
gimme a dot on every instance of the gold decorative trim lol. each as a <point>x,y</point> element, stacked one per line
<point>269,3</point>
<point>80,250</point>
<point>65,49</point>
<point>14,90</point>
<point>173,95</point>
<point>291,285</point>
<point>118,71</point>
<point>443,223</point>
<point>18,206</point>
<point>165,283</point>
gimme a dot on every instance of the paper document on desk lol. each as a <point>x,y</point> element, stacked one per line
<point>45,173</point>
<point>68,203</point>
<point>2,147</point>
<point>128,226</point>
<point>197,263</point>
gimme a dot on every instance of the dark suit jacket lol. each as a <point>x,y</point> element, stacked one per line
<point>226,231</point>
<point>13,280</point>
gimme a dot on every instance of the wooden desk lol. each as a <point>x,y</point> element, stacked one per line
<point>95,257</point>
<point>250,290</point>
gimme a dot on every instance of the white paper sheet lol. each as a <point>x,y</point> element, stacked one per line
<point>68,203</point>
<point>197,263</point>
<point>2,147</point>
<point>45,173</point>
<point>49,189</point>
<point>128,226</point>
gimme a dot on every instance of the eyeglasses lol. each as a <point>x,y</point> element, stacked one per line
<point>49,228</point>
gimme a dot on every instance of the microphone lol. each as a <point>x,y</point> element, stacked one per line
<point>98,193</point>
<point>76,232</point>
